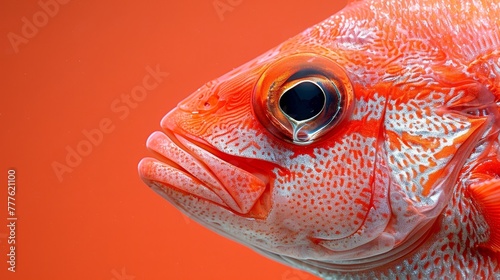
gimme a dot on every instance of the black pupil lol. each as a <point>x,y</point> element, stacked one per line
<point>303,101</point>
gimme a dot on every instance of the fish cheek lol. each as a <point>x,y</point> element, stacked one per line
<point>328,192</point>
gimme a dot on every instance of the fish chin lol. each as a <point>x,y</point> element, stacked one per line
<point>194,168</point>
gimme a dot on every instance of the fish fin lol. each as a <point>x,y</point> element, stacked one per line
<point>486,194</point>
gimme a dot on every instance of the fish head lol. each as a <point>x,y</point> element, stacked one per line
<point>328,149</point>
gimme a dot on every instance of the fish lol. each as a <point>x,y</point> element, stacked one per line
<point>365,147</point>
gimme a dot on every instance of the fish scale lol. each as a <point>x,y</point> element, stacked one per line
<point>395,176</point>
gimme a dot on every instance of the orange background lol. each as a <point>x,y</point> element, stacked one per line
<point>100,221</point>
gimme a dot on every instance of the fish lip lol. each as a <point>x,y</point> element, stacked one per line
<point>192,166</point>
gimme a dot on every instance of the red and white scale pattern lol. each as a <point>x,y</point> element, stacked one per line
<point>397,170</point>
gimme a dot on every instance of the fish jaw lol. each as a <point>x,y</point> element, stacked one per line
<point>184,165</point>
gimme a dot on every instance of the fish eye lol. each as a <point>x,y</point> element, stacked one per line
<point>302,101</point>
<point>302,97</point>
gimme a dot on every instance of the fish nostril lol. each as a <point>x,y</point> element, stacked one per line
<point>210,102</point>
<point>204,99</point>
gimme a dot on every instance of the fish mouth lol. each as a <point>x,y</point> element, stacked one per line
<point>194,167</point>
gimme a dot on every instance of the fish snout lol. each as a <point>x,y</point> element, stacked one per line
<point>195,168</point>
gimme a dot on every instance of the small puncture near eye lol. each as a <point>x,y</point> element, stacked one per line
<point>302,97</point>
